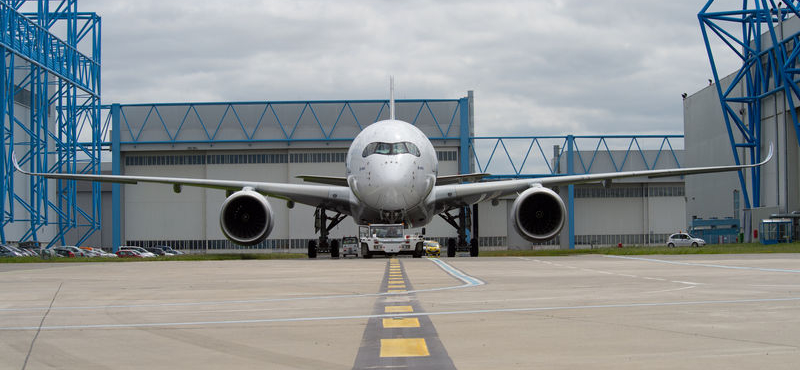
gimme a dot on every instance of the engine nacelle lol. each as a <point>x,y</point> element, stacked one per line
<point>538,214</point>
<point>246,217</point>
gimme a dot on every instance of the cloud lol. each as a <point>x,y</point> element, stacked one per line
<point>537,67</point>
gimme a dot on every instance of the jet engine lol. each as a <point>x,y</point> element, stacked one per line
<point>246,217</point>
<point>538,214</point>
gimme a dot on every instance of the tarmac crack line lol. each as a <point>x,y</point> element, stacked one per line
<point>39,329</point>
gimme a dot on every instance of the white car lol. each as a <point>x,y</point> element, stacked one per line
<point>141,250</point>
<point>684,240</point>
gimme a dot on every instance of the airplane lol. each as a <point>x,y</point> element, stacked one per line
<point>392,176</point>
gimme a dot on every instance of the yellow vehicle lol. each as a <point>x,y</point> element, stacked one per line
<point>431,248</point>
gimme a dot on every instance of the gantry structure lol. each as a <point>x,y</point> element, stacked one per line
<point>50,76</point>
<point>754,34</point>
<point>204,127</point>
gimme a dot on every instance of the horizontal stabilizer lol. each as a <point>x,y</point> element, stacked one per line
<point>327,180</point>
<point>441,180</point>
<point>457,179</point>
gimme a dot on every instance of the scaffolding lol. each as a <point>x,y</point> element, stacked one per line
<point>754,34</point>
<point>51,117</point>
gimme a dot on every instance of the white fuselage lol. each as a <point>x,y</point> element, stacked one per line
<point>391,170</point>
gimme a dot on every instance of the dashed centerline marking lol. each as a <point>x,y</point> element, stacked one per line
<point>401,322</point>
<point>404,347</point>
<point>396,309</point>
<point>392,339</point>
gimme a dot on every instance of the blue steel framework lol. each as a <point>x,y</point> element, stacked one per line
<point>61,86</point>
<point>524,157</point>
<point>448,125</point>
<point>767,68</point>
<point>452,124</point>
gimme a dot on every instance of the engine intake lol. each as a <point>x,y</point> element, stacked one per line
<point>246,217</point>
<point>538,214</point>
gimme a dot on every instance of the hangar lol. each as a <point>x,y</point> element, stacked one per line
<point>279,140</point>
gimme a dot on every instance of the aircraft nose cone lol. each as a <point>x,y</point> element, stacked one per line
<point>394,185</point>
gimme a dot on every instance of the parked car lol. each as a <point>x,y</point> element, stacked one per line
<point>31,251</point>
<point>168,250</point>
<point>156,251</point>
<point>90,253</point>
<point>20,252</point>
<point>70,251</point>
<point>350,246</point>
<point>7,251</point>
<point>129,253</point>
<point>432,248</point>
<point>684,240</point>
<point>143,252</point>
<point>98,252</point>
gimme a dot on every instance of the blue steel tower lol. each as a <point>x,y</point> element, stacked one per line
<point>51,117</point>
<point>754,34</point>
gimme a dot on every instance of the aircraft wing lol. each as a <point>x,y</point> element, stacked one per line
<point>332,197</point>
<point>453,196</point>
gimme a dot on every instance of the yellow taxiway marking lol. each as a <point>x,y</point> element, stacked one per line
<point>404,347</point>
<point>398,309</point>
<point>401,323</point>
<point>397,286</point>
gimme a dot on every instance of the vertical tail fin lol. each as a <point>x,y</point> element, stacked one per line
<point>391,97</point>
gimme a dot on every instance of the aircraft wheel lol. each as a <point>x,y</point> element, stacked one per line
<point>335,248</point>
<point>473,248</point>
<point>312,249</point>
<point>451,247</point>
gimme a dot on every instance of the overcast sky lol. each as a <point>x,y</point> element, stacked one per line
<point>536,67</point>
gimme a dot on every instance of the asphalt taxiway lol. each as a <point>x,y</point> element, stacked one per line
<point>599,312</point>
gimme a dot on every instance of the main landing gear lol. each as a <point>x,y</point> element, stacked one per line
<point>461,222</point>
<point>324,224</point>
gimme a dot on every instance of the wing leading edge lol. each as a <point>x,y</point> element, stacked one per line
<point>333,197</point>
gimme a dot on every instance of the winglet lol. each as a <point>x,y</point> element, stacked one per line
<point>16,164</point>
<point>769,155</point>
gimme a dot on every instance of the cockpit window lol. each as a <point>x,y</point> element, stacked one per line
<point>403,147</point>
<point>383,148</point>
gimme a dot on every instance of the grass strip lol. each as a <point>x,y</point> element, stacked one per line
<point>745,248</point>
<point>184,257</point>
